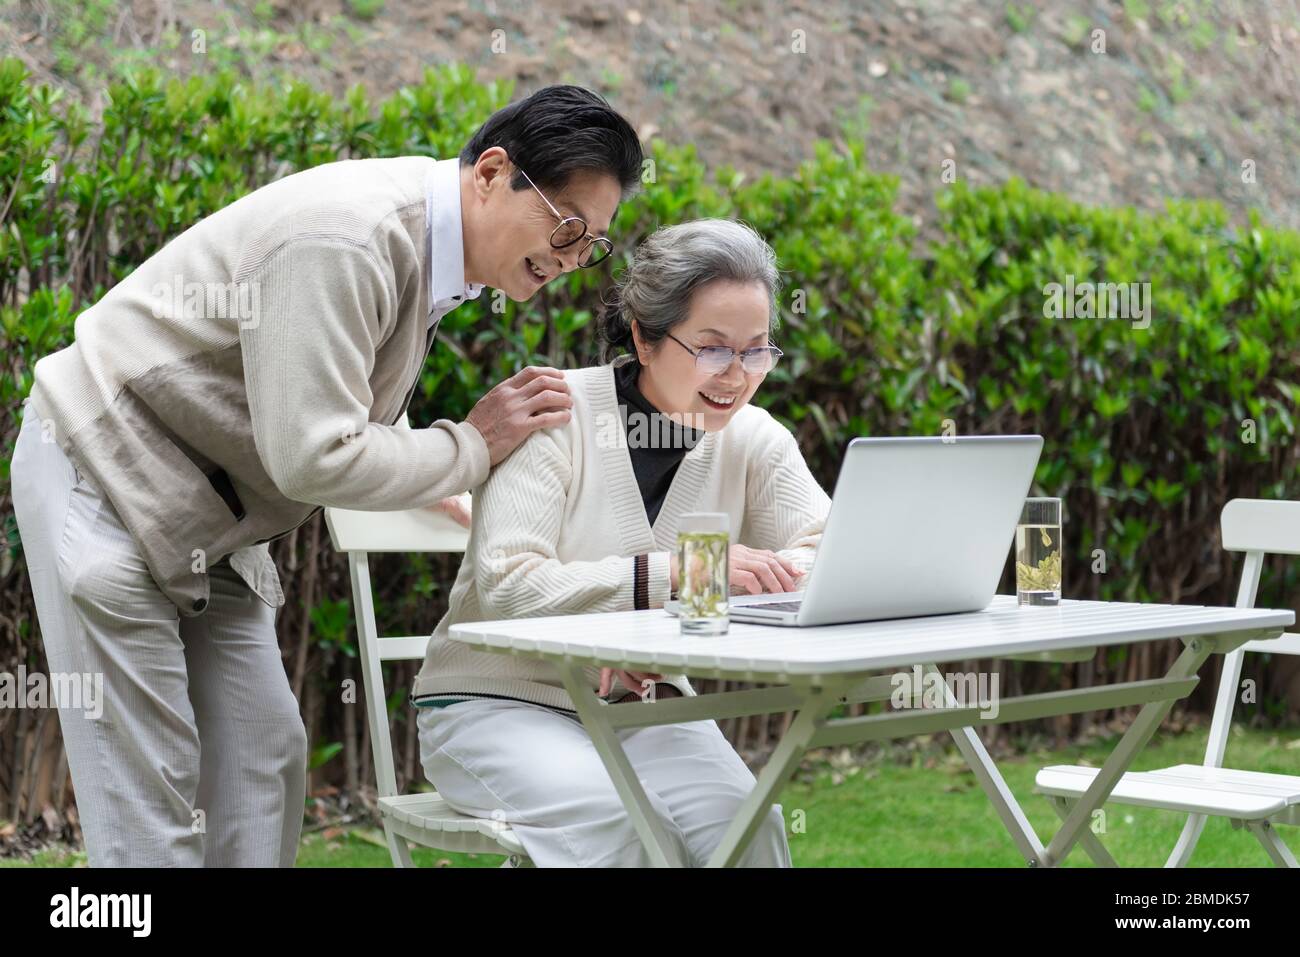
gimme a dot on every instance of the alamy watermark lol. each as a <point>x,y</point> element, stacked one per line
<point>960,689</point>
<point>634,429</point>
<point>208,300</point>
<point>128,911</point>
<point>1093,300</point>
<point>80,690</point>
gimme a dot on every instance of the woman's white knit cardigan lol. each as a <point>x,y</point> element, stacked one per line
<point>556,525</point>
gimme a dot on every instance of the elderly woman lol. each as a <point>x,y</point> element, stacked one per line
<point>581,512</point>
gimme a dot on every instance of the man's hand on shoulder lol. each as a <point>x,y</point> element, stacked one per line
<point>536,398</point>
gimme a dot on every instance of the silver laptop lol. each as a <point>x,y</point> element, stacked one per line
<point>918,526</point>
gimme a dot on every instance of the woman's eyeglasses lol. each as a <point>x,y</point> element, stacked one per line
<point>571,229</point>
<point>714,360</point>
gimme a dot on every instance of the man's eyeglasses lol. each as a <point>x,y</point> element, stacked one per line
<point>571,229</point>
<point>714,360</point>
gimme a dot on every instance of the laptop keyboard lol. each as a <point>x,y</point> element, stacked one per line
<point>774,605</point>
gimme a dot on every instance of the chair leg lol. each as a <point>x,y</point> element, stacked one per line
<point>1182,852</point>
<point>398,848</point>
<point>1095,849</point>
<point>1274,845</point>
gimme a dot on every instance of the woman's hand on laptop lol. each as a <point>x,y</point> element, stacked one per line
<point>753,570</point>
<point>758,570</point>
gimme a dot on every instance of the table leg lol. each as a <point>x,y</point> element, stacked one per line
<point>1096,850</point>
<point>813,711</point>
<point>594,715</point>
<point>813,707</point>
<point>999,795</point>
<point>1133,741</point>
<point>990,779</point>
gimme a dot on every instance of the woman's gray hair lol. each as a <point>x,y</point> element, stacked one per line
<point>670,265</point>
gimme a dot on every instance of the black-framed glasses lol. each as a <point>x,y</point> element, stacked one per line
<point>714,360</point>
<point>570,229</point>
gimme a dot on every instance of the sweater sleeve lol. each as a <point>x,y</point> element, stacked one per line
<point>518,514</point>
<point>308,358</point>
<point>785,508</point>
<point>465,499</point>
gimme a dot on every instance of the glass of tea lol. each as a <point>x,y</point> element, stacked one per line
<point>1038,552</point>
<point>703,586</point>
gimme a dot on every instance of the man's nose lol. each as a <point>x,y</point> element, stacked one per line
<point>568,257</point>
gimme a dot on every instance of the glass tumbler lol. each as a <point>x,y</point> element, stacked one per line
<point>703,578</point>
<point>1038,552</point>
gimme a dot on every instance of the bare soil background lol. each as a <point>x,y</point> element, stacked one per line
<point>1183,95</point>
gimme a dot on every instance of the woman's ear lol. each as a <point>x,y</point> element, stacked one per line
<point>642,353</point>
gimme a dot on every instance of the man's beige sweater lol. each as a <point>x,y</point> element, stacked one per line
<point>556,526</point>
<point>254,370</point>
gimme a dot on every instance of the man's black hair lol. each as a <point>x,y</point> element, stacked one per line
<point>558,131</point>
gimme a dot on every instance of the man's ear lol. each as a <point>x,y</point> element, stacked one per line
<point>492,170</point>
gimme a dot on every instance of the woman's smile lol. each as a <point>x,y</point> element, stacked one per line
<point>718,400</point>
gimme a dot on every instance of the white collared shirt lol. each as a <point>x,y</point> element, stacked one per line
<point>444,242</point>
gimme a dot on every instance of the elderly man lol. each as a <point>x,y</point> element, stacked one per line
<point>253,370</point>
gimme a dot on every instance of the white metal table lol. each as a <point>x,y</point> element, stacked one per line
<point>817,669</point>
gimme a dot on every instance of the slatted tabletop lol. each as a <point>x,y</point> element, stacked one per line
<point>652,640</point>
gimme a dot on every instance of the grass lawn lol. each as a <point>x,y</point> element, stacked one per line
<point>919,807</point>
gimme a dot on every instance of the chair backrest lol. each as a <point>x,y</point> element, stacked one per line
<point>415,530</point>
<point>1257,527</point>
<point>358,534</point>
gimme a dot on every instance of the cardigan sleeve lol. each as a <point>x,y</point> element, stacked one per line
<point>785,507</point>
<point>517,572</point>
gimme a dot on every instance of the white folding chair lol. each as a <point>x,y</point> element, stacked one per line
<point>423,818</point>
<point>1251,799</point>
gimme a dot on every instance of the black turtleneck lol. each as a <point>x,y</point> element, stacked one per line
<point>654,460</point>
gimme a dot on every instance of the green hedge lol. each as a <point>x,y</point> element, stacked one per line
<point>887,331</point>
